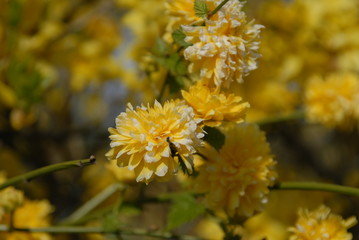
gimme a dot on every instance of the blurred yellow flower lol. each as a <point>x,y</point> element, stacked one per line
<point>236,179</point>
<point>275,98</point>
<point>180,12</point>
<point>121,174</point>
<point>208,228</point>
<point>263,226</point>
<point>333,101</point>
<point>10,198</point>
<point>30,215</point>
<point>321,224</point>
<point>147,138</point>
<point>213,106</point>
<point>225,49</point>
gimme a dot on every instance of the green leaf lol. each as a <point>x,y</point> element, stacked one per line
<point>28,84</point>
<point>175,64</point>
<point>181,67</point>
<point>110,222</point>
<point>184,208</point>
<point>178,36</point>
<point>175,83</point>
<point>161,48</point>
<point>214,137</point>
<point>200,8</point>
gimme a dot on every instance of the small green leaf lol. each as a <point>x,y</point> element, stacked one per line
<point>161,48</point>
<point>200,8</point>
<point>181,67</point>
<point>171,62</point>
<point>179,36</point>
<point>175,83</point>
<point>110,222</point>
<point>214,137</point>
<point>175,64</point>
<point>27,82</point>
<point>183,209</point>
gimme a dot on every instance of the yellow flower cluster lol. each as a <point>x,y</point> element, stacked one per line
<point>25,214</point>
<point>333,101</point>
<point>215,107</point>
<point>321,224</point>
<point>295,49</point>
<point>181,12</point>
<point>10,198</point>
<point>236,179</point>
<point>31,214</point>
<point>51,49</point>
<point>226,48</point>
<point>148,139</point>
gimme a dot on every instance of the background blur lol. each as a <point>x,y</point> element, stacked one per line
<point>68,68</point>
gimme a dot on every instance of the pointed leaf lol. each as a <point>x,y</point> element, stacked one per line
<point>185,208</point>
<point>178,36</point>
<point>214,137</point>
<point>200,8</point>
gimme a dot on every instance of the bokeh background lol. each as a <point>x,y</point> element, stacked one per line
<point>68,68</point>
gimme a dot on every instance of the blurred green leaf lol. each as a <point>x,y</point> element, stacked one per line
<point>200,8</point>
<point>214,137</point>
<point>183,209</point>
<point>27,82</point>
<point>175,83</point>
<point>14,13</point>
<point>176,64</point>
<point>161,48</point>
<point>110,222</point>
<point>179,36</point>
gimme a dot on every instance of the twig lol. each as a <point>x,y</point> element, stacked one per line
<point>316,186</point>
<point>100,230</point>
<point>48,169</point>
<point>211,13</point>
<point>93,203</point>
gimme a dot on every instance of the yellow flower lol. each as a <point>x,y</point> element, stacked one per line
<point>10,198</point>
<point>236,179</point>
<point>333,101</point>
<point>180,12</point>
<point>263,226</point>
<point>30,215</point>
<point>208,228</point>
<point>121,174</point>
<point>147,140</point>
<point>215,107</point>
<point>321,224</point>
<point>225,49</point>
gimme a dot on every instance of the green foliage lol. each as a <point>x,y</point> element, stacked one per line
<point>214,137</point>
<point>26,81</point>
<point>110,222</point>
<point>13,18</point>
<point>184,208</point>
<point>178,36</point>
<point>175,83</point>
<point>200,8</point>
<point>176,64</point>
<point>161,48</point>
<point>173,62</point>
